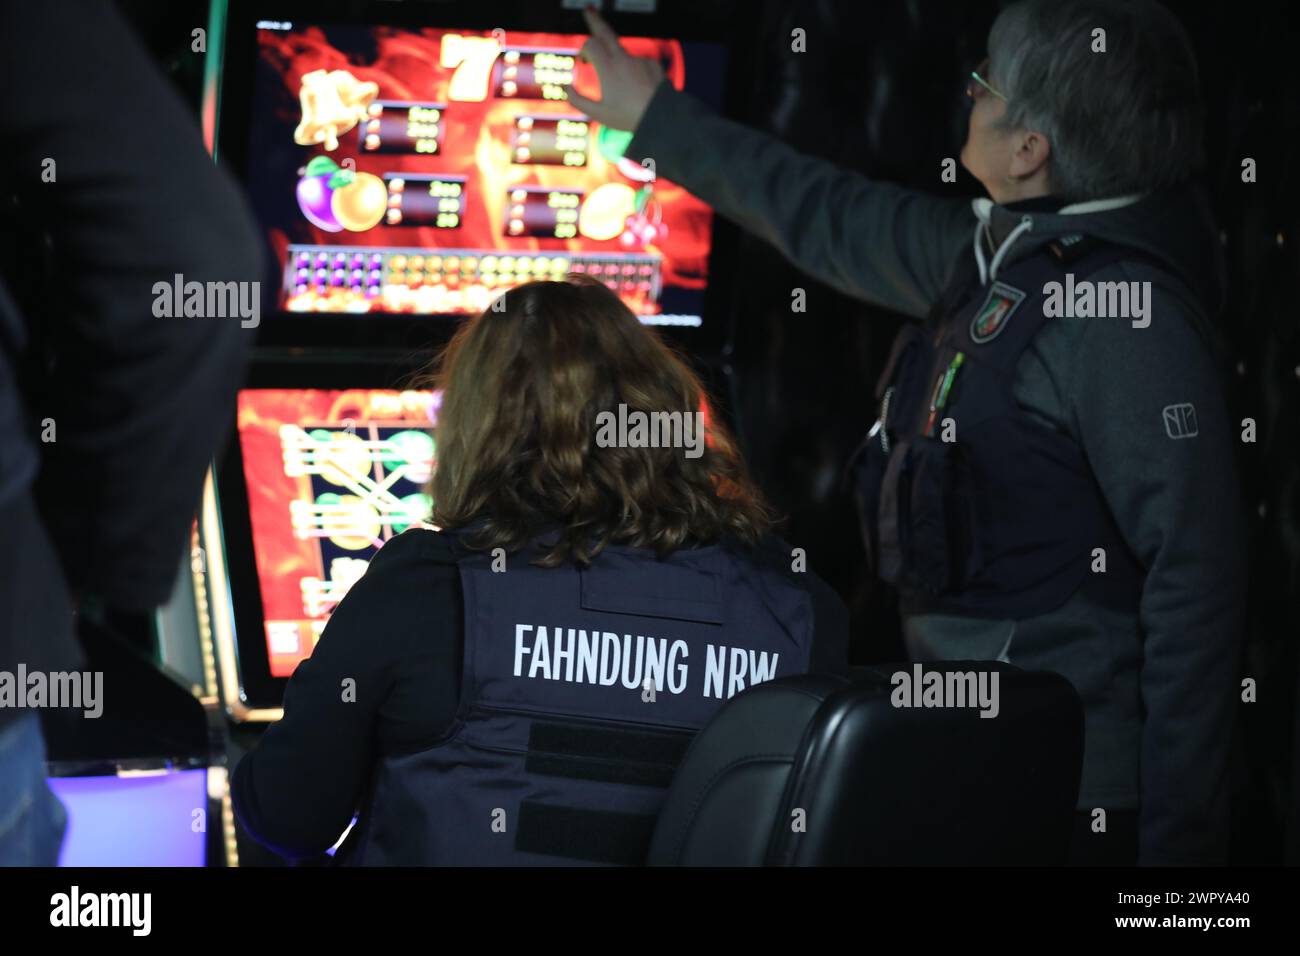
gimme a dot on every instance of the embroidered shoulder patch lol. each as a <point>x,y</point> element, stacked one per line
<point>993,315</point>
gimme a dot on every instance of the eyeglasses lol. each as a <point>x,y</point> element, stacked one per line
<point>977,86</point>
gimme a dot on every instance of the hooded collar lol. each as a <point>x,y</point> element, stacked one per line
<point>999,228</point>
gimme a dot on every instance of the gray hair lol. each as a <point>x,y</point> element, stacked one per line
<point>1124,121</point>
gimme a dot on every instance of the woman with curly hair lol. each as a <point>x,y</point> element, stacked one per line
<point>518,686</point>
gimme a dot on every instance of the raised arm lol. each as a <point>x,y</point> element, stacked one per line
<point>875,241</point>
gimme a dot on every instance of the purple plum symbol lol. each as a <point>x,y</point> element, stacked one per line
<point>315,192</point>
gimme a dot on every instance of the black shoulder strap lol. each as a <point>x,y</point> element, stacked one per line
<point>909,333</point>
<point>1067,250</point>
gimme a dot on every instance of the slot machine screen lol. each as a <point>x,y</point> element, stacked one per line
<point>132,820</point>
<point>424,170</point>
<point>327,476</point>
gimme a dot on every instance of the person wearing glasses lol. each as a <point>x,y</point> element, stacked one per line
<point>1050,479</point>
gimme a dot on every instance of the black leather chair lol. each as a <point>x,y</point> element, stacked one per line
<point>825,770</point>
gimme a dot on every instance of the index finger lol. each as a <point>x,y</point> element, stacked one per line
<point>594,52</point>
<point>601,31</point>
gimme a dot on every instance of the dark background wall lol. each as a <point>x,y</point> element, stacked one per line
<point>878,91</point>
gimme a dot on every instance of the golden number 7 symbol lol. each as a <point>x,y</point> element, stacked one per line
<point>472,58</point>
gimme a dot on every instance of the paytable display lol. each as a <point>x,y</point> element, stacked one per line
<point>426,171</point>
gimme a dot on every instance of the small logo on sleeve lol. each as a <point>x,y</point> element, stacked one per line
<point>1180,420</point>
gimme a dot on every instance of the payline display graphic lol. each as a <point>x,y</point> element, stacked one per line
<point>331,476</point>
<point>437,168</point>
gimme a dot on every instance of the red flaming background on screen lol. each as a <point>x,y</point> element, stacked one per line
<point>486,104</point>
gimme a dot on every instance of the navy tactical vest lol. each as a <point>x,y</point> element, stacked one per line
<point>580,692</point>
<point>1001,519</point>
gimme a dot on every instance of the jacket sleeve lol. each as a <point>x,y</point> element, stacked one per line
<point>1151,415</point>
<point>389,657</point>
<point>871,240</point>
<point>108,161</point>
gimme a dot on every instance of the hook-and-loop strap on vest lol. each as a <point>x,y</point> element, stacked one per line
<point>965,497</point>
<point>581,690</point>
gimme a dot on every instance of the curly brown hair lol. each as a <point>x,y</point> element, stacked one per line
<point>517,443</point>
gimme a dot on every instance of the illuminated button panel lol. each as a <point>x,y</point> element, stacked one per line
<point>448,281</point>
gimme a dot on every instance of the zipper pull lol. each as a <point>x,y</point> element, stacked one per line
<point>879,426</point>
